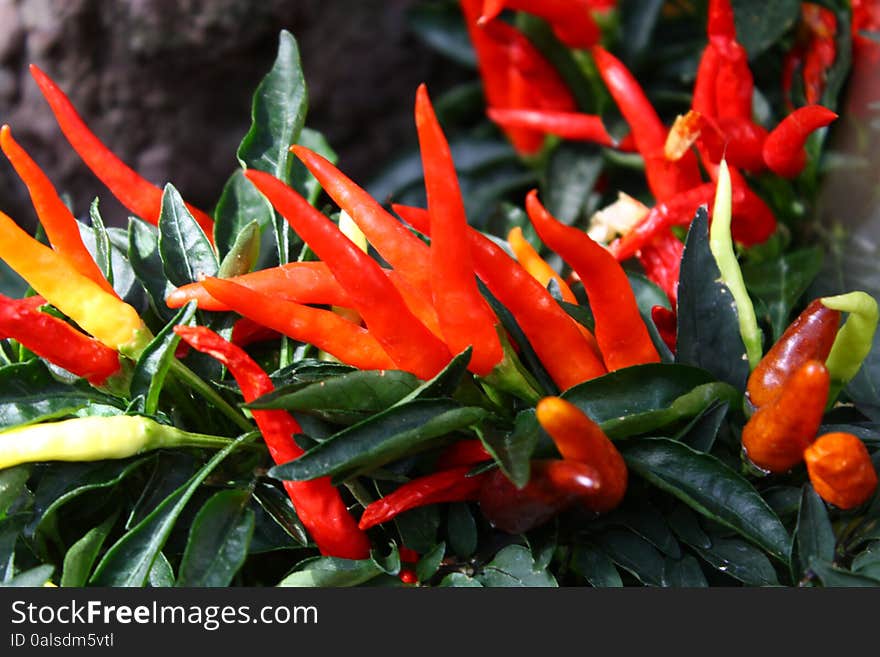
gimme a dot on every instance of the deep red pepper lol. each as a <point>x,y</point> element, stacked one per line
<point>325,329</point>
<point>776,436</point>
<point>622,336</point>
<point>55,340</point>
<point>665,321</point>
<point>133,191</point>
<point>661,260</point>
<point>784,148</point>
<point>317,502</point>
<point>56,219</point>
<point>465,316</point>
<point>721,24</point>
<point>571,20</point>
<point>568,125</point>
<point>408,342</point>
<point>808,337</point>
<point>453,485</point>
<point>464,452</point>
<point>554,335</point>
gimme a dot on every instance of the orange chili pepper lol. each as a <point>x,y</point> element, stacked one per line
<point>841,469</point>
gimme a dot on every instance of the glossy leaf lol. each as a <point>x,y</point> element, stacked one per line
<point>739,559</point>
<point>513,450</point>
<point>187,255</point>
<point>445,382</point>
<point>594,565</point>
<point>683,573</point>
<point>430,562</point>
<point>81,556</point>
<point>461,530</point>
<point>814,533</point>
<point>572,171</point>
<point>102,242</point>
<point>240,204</point>
<point>34,577</point>
<point>514,566</point>
<point>331,571</point>
<point>760,24</point>
<point>12,484</point>
<point>701,433</point>
<point>143,254</point>
<point>460,580</point>
<point>634,554</point>
<point>832,576</point>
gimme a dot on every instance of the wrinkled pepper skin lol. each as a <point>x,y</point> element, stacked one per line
<point>776,436</point>
<point>808,337</point>
<point>841,470</point>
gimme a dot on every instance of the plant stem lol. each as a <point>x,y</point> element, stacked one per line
<point>196,383</point>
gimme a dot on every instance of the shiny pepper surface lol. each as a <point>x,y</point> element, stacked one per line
<point>841,470</point>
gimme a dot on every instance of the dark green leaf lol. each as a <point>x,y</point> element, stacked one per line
<point>125,281</point>
<point>388,564</point>
<point>332,572</point>
<point>701,433</point>
<point>543,542</point>
<point>639,18</point>
<point>387,436</point>
<point>278,509</point>
<point>780,282</point>
<point>648,294</point>
<point>154,362</point>
<point>571,174</point>
<point>634,554</point>
<point>187,255</point>
<point>129,560</point>
<point>685,572</point>
<point>867,562</point>
<point>441,27</point>
<point>686,525</point>
<point>708,326</point>
<point>12,485</point>
<point>277,115</point>
<point>513,450</point>
<point>740,560</point>
<point>445,383</point>
<point>461,530</point>
<point>81,556</point>
<point>514,566</point>
<point>218,540</point>
<point>102,242</point>
<point>241,204</point>
<point>31,578</point>
<point>646,521</point>
<point>430,562</point>
<point>815,536</point>
<point>418,528</point>
<point>590,562</point>
<point>761,24</point>
<point>10,531</point>
<point>832,576</point>
<point>30,393</point>
<point>709,487</point>
<point>460,580</point>
<point>143,254</point>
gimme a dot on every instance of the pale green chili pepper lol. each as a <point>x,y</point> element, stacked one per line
<point>94,439</point>
<point>855,337</point>
<point>721,245</point>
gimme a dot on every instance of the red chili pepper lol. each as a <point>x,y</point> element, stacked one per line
<point>464,452</point>
<point>661,260</point>
<point>408,576</point>
<point>404,338</point>
<point>323,328</point>
<point>554,486</point>
<point>55,217</point>
<point>405,252</point>
<point>246,331</point>
<point>465,316</point>
<point>667,325</point>
<point>317,502</point>
<point>721,24</point>
<point>704,86</point>
<point>452,485</point>
<point>133,191</point>
<point>407,555</point>
<point>753,221</point>
<point>622,336</point>
<point>808,337</point>
<point>55,340</point>
<point>568,125</point>
<point>554,335</point>
<point>580,439</point>
<point>821,51</point>
<point>784,148</point>
<point>571,20</point>
<point>841,470</point>
<point>776,436</point>
<point>532,262</point>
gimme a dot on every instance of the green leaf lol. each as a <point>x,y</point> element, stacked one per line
<point>780,282</point>
<point>832,576</point>
<point>441,27</point>
<point>385,437</point>
<point>572,172</point>
<point>12,485</point>
<point>102,242</point>
<point>301,178</point>
<point>461,530</point>
<point>348,398</point>
<point>154,362</point>
<point>129,560</point>
<point>30,393</point>
<point>867,562</point>
<point>10,531</point>
<point>143,254</point>
<point>125,281</point>
<point>634,554</point>
<point>218,540</point>
<point>31,578</point>
<point>445,382</point>
<point>685,572</point>
<point>709,487</point>
<point>761,24</point>
<point>815,536</point>
<point>161,574</point>
<point>80,558</point>
<point>244,252</point>
<point>278,508</point>
<point>187,255</point>
<point>418,528</point>
<point>429,564</point>
<point>740,560</point>
<point>646,521</point>
<point>701,433</point>
<point>648,294</point>
<point>708,326</point>
<point>332,572</point>
<point>241,204</point>
<point>513,450</point>
<point>593,564</point>
<point>278,114</point>
<point>460,580</point>
<point>514,566</point>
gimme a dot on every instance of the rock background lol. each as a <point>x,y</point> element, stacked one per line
<point>167,84</point>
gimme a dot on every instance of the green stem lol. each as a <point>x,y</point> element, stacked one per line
<point>196,383</point>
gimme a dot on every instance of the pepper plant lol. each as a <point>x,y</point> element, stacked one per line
<point>580,336</point>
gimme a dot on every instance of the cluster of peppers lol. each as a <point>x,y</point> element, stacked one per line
<point>426,305</point>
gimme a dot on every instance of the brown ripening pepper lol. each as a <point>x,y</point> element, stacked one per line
<point>776,436</point>
<point>809,337</point>
<point>841,470</point>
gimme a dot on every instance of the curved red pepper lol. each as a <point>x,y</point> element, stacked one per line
<point>246,331</point>
<point>133,191</point>
<point>568,125</point>
<point>571,20</point>
<point>665,321</point>
<point>554,336</point>
<point>622,335</point>
<point>317,502</point>
<point>464,452</point>
<point>56,219</point>
<point>465,316</point>
<point>325,329</point>
<point>408,342</point>
<point>784,148</point>
<point>55,340</point>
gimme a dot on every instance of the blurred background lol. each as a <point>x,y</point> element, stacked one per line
<point>167,84</point>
